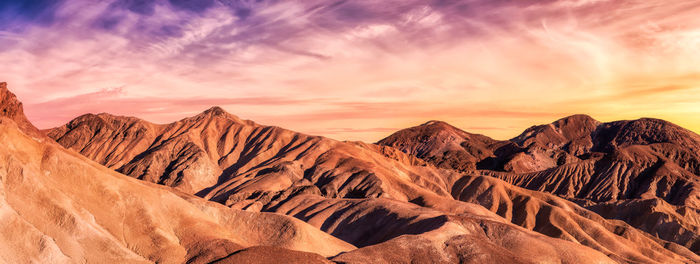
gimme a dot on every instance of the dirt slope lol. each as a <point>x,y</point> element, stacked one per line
<point>644,172</point>
<point>347,189</point>
<point>59,207</point>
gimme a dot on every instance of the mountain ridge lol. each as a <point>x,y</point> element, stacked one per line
<point>53,206</point>
<point>13,109</point>
<point>596,164</point>
<point>311,178</point>
<point>63,194</point>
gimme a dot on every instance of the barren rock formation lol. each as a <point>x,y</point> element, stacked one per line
<point>60,207</point>
<point>647,167</point>
<point>271,255</point>
<point>216,155</point>
<point>390,231</point>
<point>443,145</point>
<point>558,217</point>
<point>372,196</point>
<point>79,210</point>
<point>12,108</point>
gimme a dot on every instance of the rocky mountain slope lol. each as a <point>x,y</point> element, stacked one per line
<point>393,206</point>
<point>215,154</point>
<point>443,145</point>
<point>12,109</point>
<point>60,207</point>
<point>644,172</point>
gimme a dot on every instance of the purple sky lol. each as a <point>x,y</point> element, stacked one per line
<point>356,70</point>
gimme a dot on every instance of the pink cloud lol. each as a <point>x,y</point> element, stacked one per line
<point>315,66</point>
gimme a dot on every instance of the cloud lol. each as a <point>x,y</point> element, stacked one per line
<point>37,12</point>
<point>348,130</point>
<point>369,63</point>
<point>193,6</point>
<point>143,7</point>
<point>163,109</point>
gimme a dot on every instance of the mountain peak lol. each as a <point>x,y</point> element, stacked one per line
<point>218,112</point>
<point>646,131</point>
<point>441,143</point>
<point>435,126</point>
<point>577,118</point>
<point>215,110</point>
<point>576,126</point>
<point>91,119</point>
<point>434,122</point>
<point>11,108</point>
<point>558,132</point>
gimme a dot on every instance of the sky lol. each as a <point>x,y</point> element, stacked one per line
<point>356,70</point>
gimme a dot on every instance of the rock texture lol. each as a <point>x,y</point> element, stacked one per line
<point>443,145</point>
<point>12,109</point>
<point>396,207</point>
<point>216,155</point>
<point>60,207</point>
<point>644,172</point>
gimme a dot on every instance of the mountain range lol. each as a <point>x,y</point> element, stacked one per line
<point>214,188</point>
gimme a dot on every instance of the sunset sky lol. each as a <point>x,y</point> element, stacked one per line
<point>356,70</point>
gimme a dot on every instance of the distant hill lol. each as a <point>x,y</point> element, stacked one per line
<point>644,172</point>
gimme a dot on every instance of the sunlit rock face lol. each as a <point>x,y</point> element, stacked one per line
<point>420,182</point>
<point>644,172</point>
<point>60,207</point>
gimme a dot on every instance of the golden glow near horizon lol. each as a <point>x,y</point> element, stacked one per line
<point>362,69</point>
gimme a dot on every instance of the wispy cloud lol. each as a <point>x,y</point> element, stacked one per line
<point>318,65</point>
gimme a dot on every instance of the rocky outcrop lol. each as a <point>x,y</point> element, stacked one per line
<point>611,168</point>
<point>11,108</point>
<point>215,155</point>
<point>371,196</point>
<point>443,145</point>
<point>59,207</point>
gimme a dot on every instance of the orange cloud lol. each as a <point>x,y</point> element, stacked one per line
<point>314,66</point>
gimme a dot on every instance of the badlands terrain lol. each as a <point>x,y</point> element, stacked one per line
<point>213,188</point>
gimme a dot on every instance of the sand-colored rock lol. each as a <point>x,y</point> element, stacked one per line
<point>81,210</point>
<point>395,206</point>
<point>60,207</point>
<point>216,155</point>
<point>390,231</point>
<point>12,108</point>
<point>443,145</point>
<point>616,169</point>
<point>271,255</point>
<point>557,217</point>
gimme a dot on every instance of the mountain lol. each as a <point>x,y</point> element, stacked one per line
<point>644,172</point>
<point>215,154</point>
<point>538,148</point>
<point>443,145</point>
<point>395,207</point>
<point>12,109</point>
<point>60,207</point>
